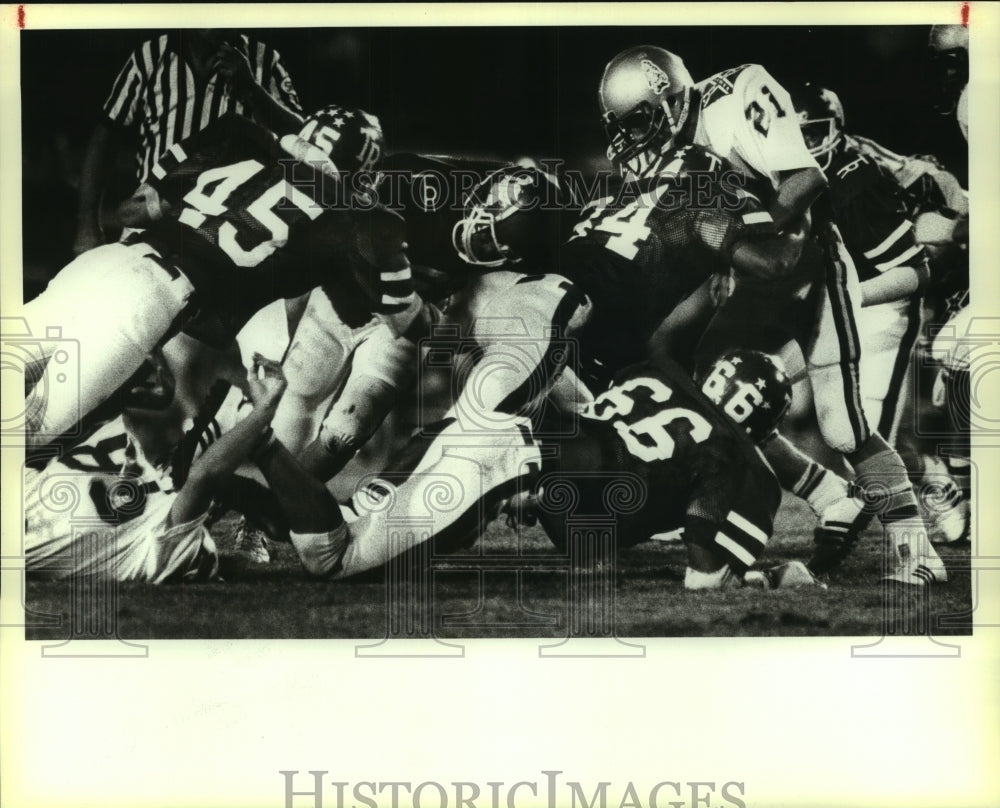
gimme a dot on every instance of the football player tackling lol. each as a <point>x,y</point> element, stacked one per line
<point>651,105</point>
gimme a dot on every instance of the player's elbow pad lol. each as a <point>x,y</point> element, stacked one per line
<point>321,553</point>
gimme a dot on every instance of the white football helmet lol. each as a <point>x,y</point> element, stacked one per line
<point>645,96</point>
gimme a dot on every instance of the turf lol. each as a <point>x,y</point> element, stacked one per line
<point>515,585</point>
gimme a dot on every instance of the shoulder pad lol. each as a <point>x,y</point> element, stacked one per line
<point>721,84</point>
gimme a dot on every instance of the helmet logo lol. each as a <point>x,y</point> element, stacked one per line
<point>657,79</point>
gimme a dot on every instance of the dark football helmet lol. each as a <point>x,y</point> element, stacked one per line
<point>517,213</point>
<point>751,388</point>
<point>645,95</point>
<point>350,137</point>
<point>821,118</point>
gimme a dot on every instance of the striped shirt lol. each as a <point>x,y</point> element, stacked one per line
<point>158,92</point>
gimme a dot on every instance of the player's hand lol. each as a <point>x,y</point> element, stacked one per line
<point>720,288</point>
<point>232,65</point>
<point>266,382</point>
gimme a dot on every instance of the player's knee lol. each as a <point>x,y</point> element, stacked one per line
<point>842,422</point>
<point>344,431</point>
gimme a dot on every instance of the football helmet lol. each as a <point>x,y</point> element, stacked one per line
<point>645,98</point>
<point>821,118</point>
<point>949,46</point>
<point>516,213</point>
<point>351,138</point>
<point>751,388</point>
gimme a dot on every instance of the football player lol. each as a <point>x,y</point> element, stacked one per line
<point>871,210</point>
<point>949,46</point>
<point>687,457</point>
<point>147,482</point>
<point>483,240</point>
<point>235,219</point>
<point>650,106</point>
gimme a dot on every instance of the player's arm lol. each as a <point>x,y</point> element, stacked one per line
<point>876,227</point>
<point>770,256</point>
<point>120,110</point>
<point>382,248</point>
<point>796,191</point>
<point>210,471</point>
<point>769,140</point>
<point>143,208</point>
<point>268,110</point>
<point>315,523</point>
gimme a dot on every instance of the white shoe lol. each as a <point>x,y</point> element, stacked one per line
<point>251,543</point>
<point>919,571</point>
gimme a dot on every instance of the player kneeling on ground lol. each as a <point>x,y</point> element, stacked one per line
<point>688,456</point>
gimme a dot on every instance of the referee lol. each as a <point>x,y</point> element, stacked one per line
<point>173,86</point>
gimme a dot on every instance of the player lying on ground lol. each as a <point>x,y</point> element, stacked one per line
<point>651,105</point>
<point>146,483</point>
<point>667,457</point>
<point>248,219</point>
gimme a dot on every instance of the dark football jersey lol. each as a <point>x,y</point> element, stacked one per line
<point>870,209</point>
<point>671,454</point>
<point>640,251</point>
<point>248,224</point>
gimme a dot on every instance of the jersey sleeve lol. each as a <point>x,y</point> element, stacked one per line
<point>872,217</point>
<point>764,129</point>
<point>720,229</point>
<point>382,247</point>
<point>732,510</point>
<point>123,102</point>
<point>270,73</point>
<point>281,87</point>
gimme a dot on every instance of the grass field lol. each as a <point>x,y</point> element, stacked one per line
<point>514,587</point>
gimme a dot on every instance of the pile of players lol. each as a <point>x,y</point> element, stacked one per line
<point>283,292</point>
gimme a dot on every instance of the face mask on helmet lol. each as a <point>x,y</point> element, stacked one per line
<point>645,96</point>
<point>821,119</point>
<point>751,389</point>
<point>512,215</point>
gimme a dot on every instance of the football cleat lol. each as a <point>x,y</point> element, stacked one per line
<point>251,543</point>
<point>750,388</point>
<point>821,119</point>
<point>918,571</point>
<point>645,99</point>
<point>840,527</point>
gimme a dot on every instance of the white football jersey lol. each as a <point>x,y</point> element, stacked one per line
<point>748,118</point>
<point>102,508</point>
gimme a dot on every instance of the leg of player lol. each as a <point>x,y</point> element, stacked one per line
<point>382,366</point>
<point>828,494</point>
<point>111,306</point>
<point>519,322</point>
<point>832,360</point>
<point>452,493</point>
<point>315,349</point>
<point>316,525</point>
